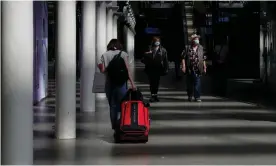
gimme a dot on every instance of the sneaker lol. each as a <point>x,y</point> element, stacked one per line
<point>197,100</point>
<point>152,99</point>
<point>156,99</point>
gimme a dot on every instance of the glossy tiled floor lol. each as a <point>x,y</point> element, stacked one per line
<point>216,131</point>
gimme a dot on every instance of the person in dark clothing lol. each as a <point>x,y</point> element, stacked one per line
<point>220,79</point>
<point>193,63</point>
<point>156,65</point>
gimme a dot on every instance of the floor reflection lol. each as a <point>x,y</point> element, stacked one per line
<point>216,131</point>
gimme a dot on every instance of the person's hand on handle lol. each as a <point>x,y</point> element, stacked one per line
<point>133,87</point>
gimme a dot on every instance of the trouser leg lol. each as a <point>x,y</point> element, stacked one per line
<point>117,96</point>
<point>156,81</point>
<point>189,84</point>
<point>197,87</point>
<point>112,107</point>
<point>151,83</point>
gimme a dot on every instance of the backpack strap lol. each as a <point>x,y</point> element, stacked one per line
<point>118,55</point>
<point>114,58</point>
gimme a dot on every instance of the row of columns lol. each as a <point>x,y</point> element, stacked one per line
<point>17,71</point>
<point>129,40</point>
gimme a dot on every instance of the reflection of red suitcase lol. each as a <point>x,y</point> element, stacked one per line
<point>134,122</point>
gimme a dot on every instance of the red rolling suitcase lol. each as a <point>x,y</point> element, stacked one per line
<point>134,121</point>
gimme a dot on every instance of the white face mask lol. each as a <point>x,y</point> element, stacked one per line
<point>157,43</point>
<point>196,41</point>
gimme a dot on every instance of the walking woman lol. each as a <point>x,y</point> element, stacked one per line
<point>156,65</point>
<point>193,63</point>
<point>114,64</point>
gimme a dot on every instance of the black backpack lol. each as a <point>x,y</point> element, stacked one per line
<point>117,71</point>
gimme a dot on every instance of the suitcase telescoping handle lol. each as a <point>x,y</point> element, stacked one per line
<point>130,94</point>
<point>131,91</point>
<point>146,104</point>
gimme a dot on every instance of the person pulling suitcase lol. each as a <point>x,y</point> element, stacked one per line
<point>114,64</point>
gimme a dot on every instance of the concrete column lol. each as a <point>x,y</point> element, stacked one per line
<point>0,77</point>
<point>88,56</point>
<point>109,25</point>
<point>17,83</point>
<point>66,71</point>
<point>129,41</point>
<point>101,42</point>
<point>132,56</point>
<point>100,29</point>
<point>115,27</point>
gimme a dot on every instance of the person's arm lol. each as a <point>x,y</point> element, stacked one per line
<point>183,55</point>
<point>149,50</point>
<point>101,65</point>
<point>204,63</point>
<point>165,60</point>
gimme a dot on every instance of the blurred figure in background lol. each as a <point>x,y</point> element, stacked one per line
<point>220,81</point>
<point>177,62</point>
<point>194,64</point>
<point>156,65</point>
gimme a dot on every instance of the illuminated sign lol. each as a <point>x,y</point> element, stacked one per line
<point>233,4</point>
<point>223,19</point>
<point>150,30</point>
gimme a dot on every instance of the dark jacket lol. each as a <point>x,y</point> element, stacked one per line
<point>156,62</point>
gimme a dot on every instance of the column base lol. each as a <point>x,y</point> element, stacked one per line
<point>100,96</point>
<point>65,137</point>
<point>88,110</point>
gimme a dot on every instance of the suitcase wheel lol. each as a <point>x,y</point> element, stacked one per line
<point>146,140</point>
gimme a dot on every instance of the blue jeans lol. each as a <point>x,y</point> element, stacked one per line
<point>114,96</point>
<point>193,85</point>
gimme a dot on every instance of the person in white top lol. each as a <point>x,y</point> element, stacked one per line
<point>115,91</point>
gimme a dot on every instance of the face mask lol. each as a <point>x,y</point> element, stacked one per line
<point>157,43</point>
<point>196,41</point>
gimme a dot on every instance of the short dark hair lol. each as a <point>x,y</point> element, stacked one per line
<point>114,44</point>
<point>156,38</point>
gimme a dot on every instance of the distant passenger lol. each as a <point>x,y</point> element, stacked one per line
<point>114,64</point>
<point>156,65</point>
<point>193,63</point>
<point>222,51</point>
<point>220,80</point>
